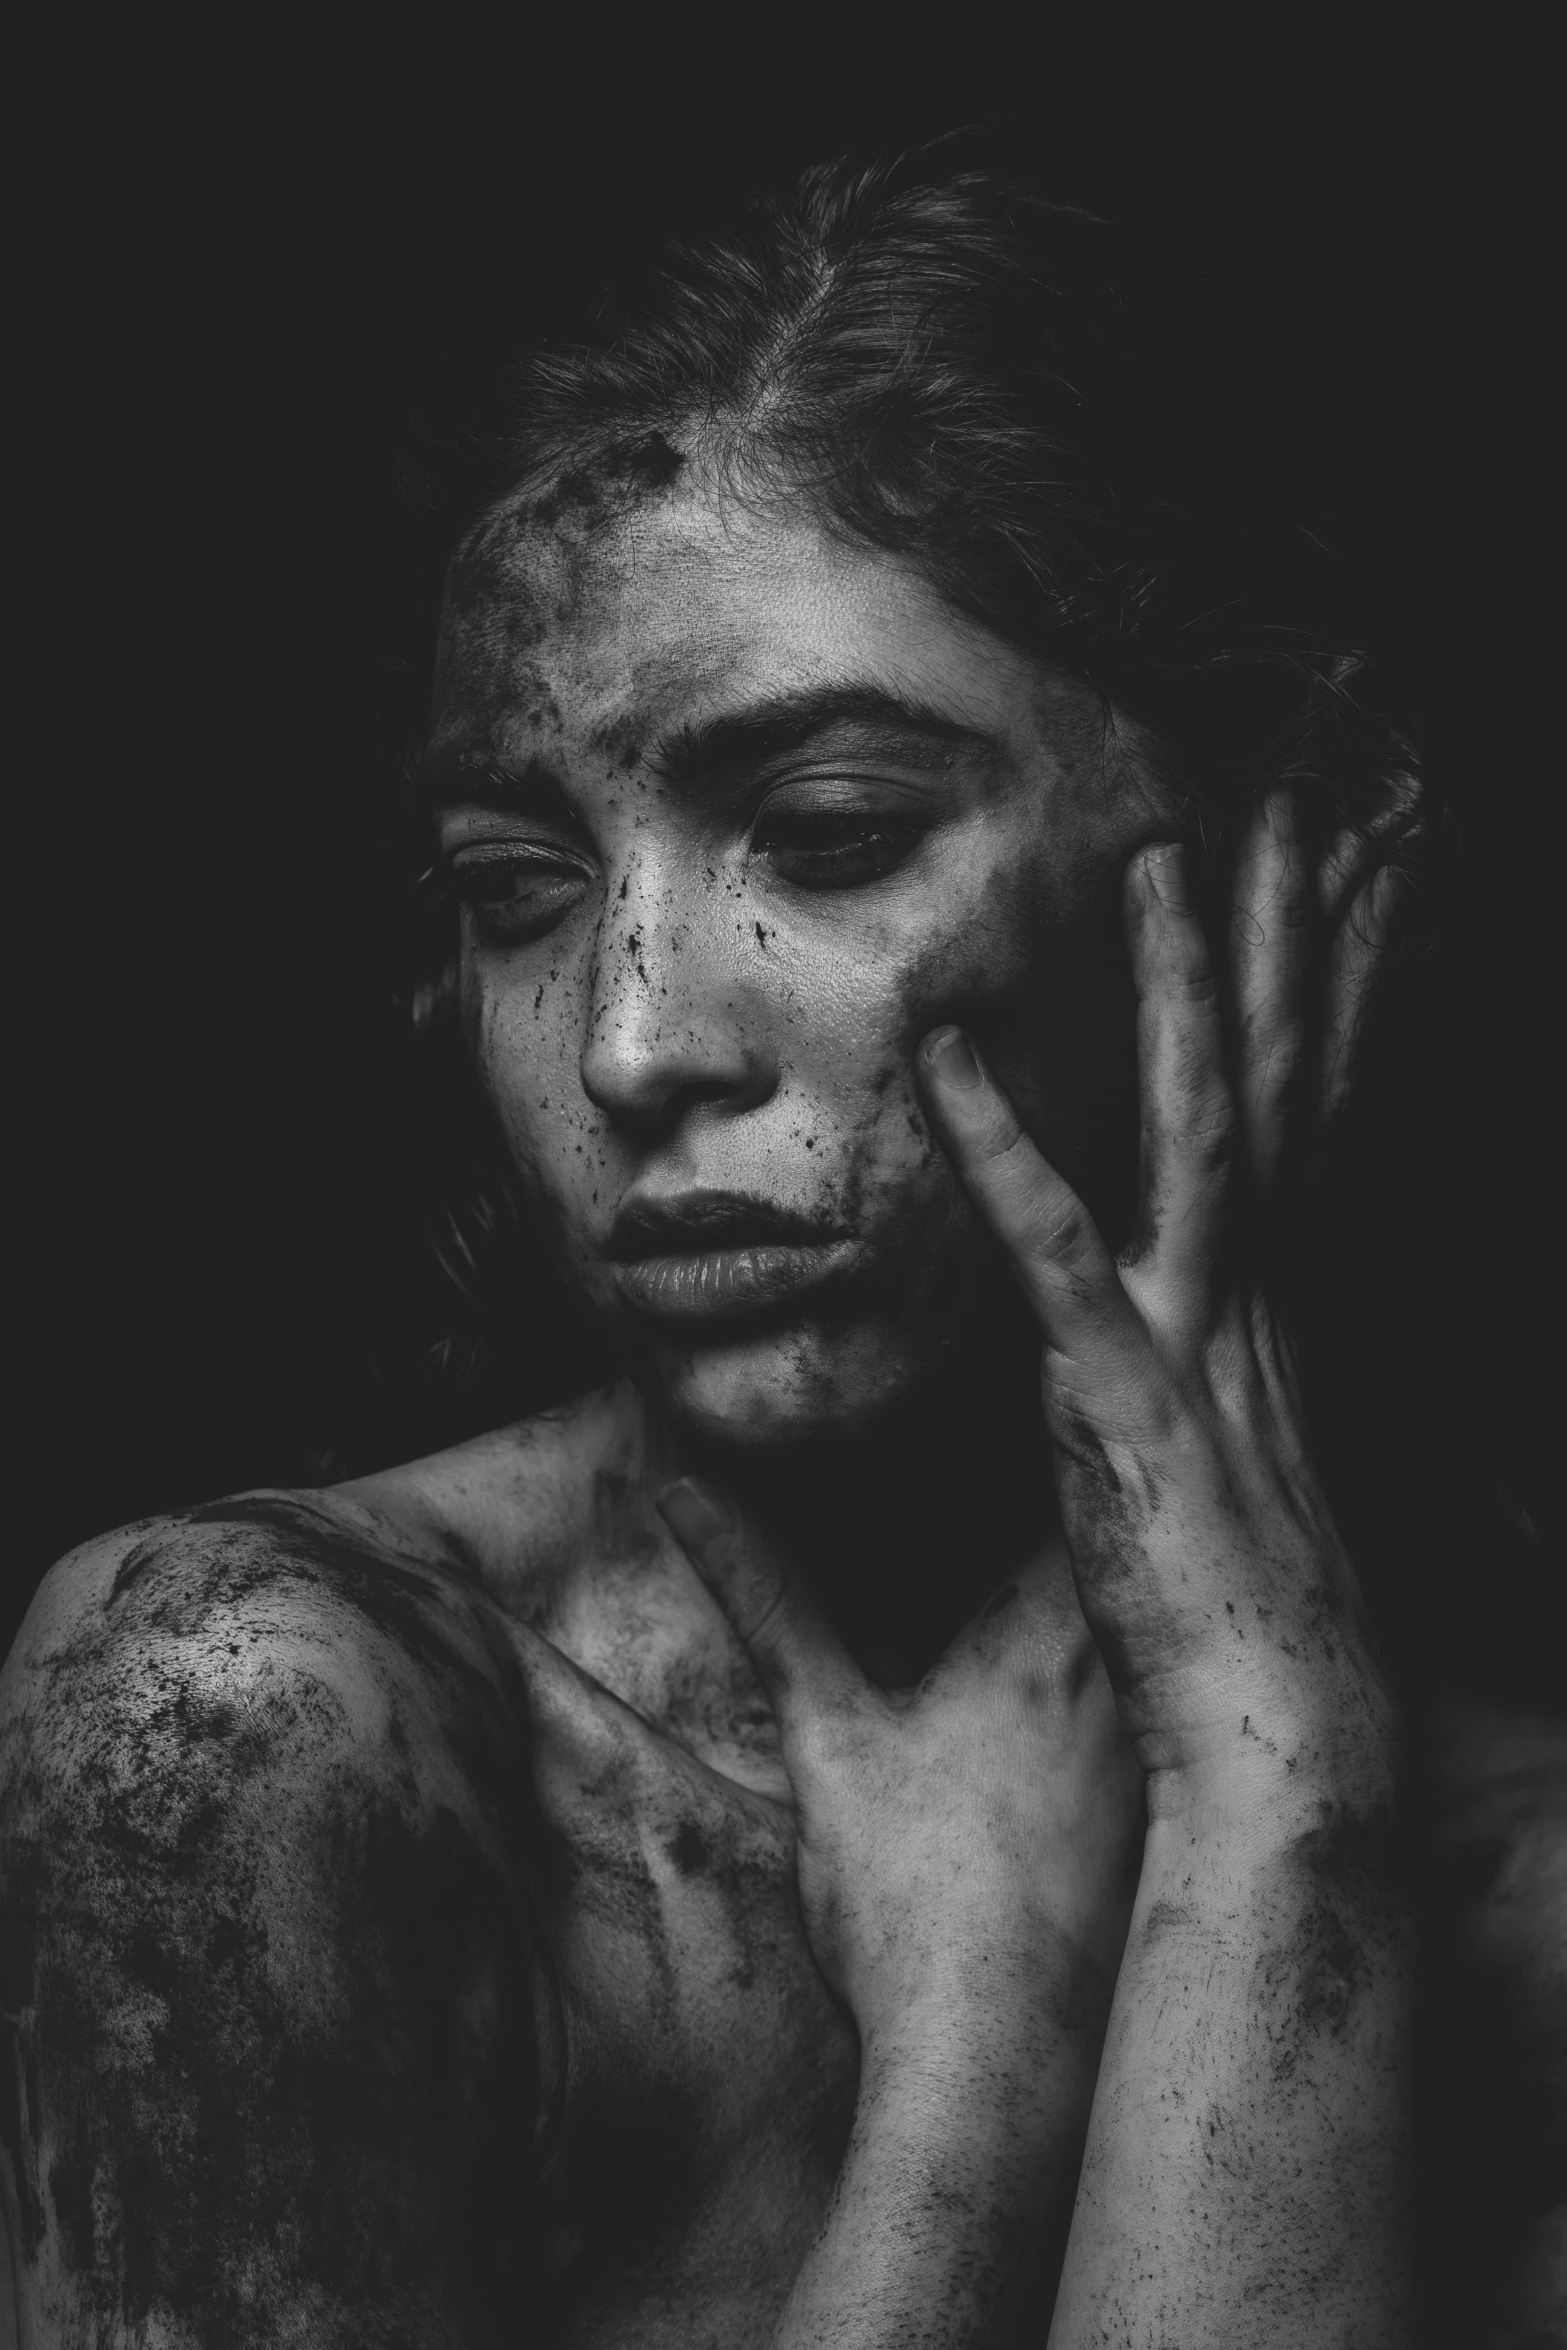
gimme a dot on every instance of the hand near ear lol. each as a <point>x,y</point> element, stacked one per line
<point>962,1845</point>
<point>1245,2178</point>
<point>1207,1561</point>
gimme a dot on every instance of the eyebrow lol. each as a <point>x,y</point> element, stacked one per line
<point>708,750</point>
<point>714,747</point>
<point>534,786</point>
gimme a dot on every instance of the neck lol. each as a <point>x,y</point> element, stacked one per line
<point>903,1528</point>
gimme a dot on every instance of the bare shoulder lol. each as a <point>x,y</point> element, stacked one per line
<point>257,1552</point>
<point>270,1965</point>
<point>519,1509</point>
<point>256,1627</point>
<point>409,1571</point>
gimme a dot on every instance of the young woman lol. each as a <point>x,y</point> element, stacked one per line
<point>883,1821</point>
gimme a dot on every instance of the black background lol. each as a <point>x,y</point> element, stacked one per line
<point>266,283</point>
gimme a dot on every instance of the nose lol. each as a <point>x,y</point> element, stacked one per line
<point>674,1017</point>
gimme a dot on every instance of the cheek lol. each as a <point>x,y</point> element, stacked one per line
<point>963,930</point>
<point>862,994</point>
<point>1030,959</point>
<point>1055,1012</point>
<point>524,1039</point>
<point>969,949</point>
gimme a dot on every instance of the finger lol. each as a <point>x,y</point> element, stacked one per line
<point>1268,938</point>
<point>1352,971</point>
<point>1188,1114</point>
<point>1066,1272</point>
<point>1342,871</point>
<point>802,1664</point>
<point>1360,849</point>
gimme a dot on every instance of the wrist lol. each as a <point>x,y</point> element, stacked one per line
<point>1043,2032</point>
<point>1228,1835</point>
<point>1018,2103</point>
<point>1245,1751</point>
<point>995,1979</point>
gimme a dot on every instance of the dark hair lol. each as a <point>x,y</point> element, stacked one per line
<point>939,367</point>
<point>937,363</point>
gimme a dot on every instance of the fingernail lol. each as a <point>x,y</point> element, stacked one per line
<point>695,1512</point>
<point>1165,866</point>
<point>950,1056</point>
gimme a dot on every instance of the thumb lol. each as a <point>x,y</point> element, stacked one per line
<point>802,1664</point>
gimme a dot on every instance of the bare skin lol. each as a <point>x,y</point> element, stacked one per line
<point>467,1912</point>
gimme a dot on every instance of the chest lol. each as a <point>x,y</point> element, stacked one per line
<point>704,2076</point>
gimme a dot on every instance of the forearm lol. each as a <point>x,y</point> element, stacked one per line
<point>1246,2174</point>
<point>950,2210</point>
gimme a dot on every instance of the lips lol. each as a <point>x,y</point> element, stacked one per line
<point>714,1256</point>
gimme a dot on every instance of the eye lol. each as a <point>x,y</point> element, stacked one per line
<point>837,849</point>
<point>515,893</point>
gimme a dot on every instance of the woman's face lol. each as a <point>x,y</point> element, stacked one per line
<point>737,813</point>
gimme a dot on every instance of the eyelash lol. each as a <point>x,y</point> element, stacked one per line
<point>514,916</point>
<point>811,849</point>
<point>838,850</point>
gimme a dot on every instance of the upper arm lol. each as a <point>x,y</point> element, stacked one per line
<point>270,1975</point>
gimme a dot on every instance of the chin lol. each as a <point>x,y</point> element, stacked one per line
<point>772,1390</point>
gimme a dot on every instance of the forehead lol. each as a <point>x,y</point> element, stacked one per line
<point>615,628</point>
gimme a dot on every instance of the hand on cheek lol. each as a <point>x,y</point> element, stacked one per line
<point>1207,1562</point>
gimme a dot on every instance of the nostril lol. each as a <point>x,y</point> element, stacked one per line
<point>672,1021</point>
<point>672,1073</point>
<point>650,1054</point>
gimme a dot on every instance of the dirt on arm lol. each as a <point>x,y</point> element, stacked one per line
<point>271,1992</point>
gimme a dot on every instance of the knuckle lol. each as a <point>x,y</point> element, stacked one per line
<point>1195,981</point>
<point>763,1615</point>
<point>1044,1222</point>
<point>1272,1037</point>
<point>1039,1215</point>
<point>1201,1136</point>
<point>1209,1135</point>
<point>1061,1228</point>
<point>998,1141</point>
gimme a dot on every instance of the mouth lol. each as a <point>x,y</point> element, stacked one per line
<point>717,1257</point>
